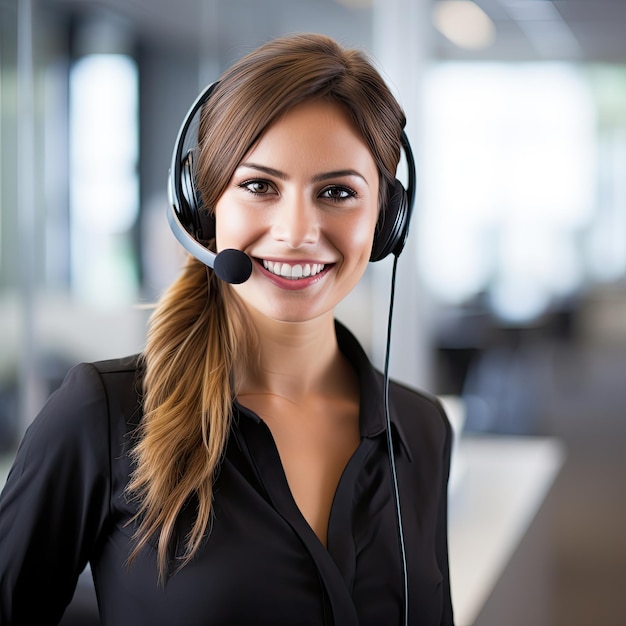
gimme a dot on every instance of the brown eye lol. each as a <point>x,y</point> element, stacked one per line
<point>337,194</point>
<point>256,186</point>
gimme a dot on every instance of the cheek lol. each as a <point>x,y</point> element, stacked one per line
<point>231,225</point>
<point>359,236</point>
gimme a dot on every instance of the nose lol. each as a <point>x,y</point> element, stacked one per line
<point>296,222</point>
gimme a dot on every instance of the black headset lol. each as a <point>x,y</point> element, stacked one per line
<point>194,226</point>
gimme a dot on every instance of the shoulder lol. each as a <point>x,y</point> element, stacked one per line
<point>88,376</point>
<point>419,416</point>
<point>410,398</point>
<point>103,376</point>
<point>97,382</point>
<point>109,372</point>
<point>119,379</point>
<point>80,409</point>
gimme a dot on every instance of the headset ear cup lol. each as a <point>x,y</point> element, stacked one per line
<point>393,223</point>
<point>201,223</point>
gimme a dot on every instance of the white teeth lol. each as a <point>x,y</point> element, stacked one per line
<point>293,272</point>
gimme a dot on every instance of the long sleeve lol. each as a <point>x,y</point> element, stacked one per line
<point>447,618</point>
<point>55,502</point>
<point>423,461</point>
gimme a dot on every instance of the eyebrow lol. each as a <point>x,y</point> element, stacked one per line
<point>317,178</point>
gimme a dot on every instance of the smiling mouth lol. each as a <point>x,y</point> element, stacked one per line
<point>293,272</point>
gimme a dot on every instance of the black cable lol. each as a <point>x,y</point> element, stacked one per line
<point>392,460</point>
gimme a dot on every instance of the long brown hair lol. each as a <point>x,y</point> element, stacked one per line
<point>199,334</point>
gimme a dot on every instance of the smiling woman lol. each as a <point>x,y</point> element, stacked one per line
<point>248,467</point>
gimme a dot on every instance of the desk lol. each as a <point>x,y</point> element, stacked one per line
<point>497,486</point>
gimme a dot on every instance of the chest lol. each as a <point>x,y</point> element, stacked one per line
<point>314,444</point>
<point>261,548</point>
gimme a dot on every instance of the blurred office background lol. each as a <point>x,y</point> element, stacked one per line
<point>511,299</point>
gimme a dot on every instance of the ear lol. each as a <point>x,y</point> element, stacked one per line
<point>393,224</point>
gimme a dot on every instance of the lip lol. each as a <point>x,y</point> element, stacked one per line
<point>290,284</point>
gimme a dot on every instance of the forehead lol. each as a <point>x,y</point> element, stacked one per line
<point>317,111</point>
<point>313,131</point>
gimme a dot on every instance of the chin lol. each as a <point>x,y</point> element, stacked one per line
<point>291,315</point>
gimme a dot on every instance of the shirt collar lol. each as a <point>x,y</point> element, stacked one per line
<point>371,388</point>
<point>372,420</point>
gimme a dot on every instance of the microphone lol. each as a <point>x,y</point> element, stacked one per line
<point>230,265</point>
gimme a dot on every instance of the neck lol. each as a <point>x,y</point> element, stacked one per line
<point>295,359</point>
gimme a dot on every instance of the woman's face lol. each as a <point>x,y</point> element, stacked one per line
<point>303,203</point>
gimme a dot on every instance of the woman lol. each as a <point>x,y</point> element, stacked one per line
<point>237,472</point>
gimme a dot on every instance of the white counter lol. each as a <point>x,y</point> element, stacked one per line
<point>497,487</point>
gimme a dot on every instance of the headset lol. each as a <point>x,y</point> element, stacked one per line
<point>194,226</point>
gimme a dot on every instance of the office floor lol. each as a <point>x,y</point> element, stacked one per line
<point>588,506</point>
<point>583,520</point>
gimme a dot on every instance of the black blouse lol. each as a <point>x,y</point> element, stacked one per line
<point>64,506</point>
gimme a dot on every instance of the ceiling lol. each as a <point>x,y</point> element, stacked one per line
<point>578,30</point>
